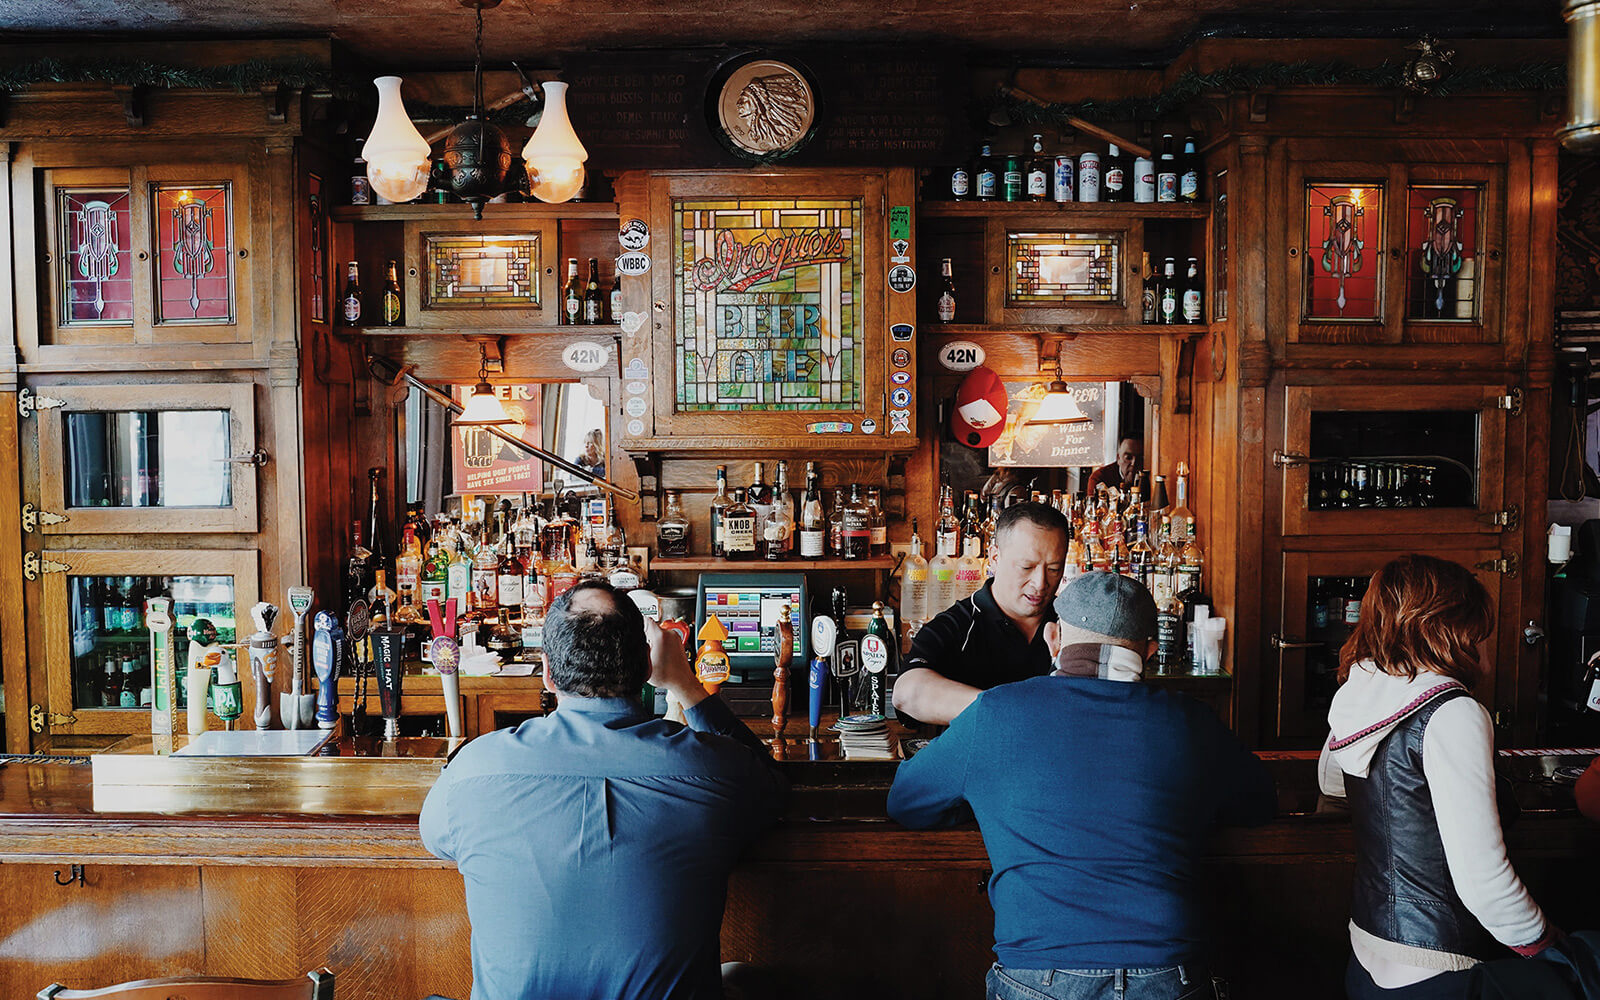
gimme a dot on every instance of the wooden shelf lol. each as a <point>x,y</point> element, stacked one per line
<point>478,332</point>
<point>1066,209</point>
<point>459,211</point>
<point>664,563</point>
<point>1062,329</point>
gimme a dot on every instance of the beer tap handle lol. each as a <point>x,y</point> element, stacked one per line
<point>782,656</point>
<point>823,634</point>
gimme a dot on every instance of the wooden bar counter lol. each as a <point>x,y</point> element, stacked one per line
<point>839,899</point>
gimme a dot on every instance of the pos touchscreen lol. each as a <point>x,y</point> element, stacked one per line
<point>748,605</point>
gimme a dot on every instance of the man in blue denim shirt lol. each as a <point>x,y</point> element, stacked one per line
<point>596,842</point>
<point>1095,795</point>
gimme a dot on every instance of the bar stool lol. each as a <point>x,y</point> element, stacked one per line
<point>316,985</point>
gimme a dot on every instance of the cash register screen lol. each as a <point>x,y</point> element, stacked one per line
<point>748,605</point>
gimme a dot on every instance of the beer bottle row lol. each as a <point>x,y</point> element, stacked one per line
<point>766,521</point>
<point>581,302</point>
<point>1171,298</point>
<point>1088,177</point>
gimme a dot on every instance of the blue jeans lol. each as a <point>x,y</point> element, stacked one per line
<point>1175,982</point>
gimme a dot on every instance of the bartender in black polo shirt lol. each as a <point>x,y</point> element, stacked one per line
<point>996,635</point>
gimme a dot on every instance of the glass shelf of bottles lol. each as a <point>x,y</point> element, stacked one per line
<point>110,644</point>
<point>1333,609</point>
<point>1393,459</point>
<point>664,563</point>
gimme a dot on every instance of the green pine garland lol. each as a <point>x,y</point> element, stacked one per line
<point>1190,85</point>
<point>242,77</point>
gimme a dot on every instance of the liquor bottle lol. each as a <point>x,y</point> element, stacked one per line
<point>615,314</point>
<point>350,301</point>
<point>719,504</point>
<point>836,524</point>
<point>1189,172</point>
<point>947,532</point>
<point>377,537</point>
<point>1171,642</point>
<point>1165,575</point>
<point>772,535</point>
<point>391,296</point>
<point>510,571</point>
<point>813,521</point>
<point>947,293</point>
<point>1167,172</point>
<point>1141,556</point>
<point>611,543</point>
<point>941,581</point>
<point>759,494</point>
<point>672,530</point>
<point>485,577</point>
<point>1171,297</point>
<point>381,597</point>
<point>594,304</point>
<point>914,583</point>
<point>1181,517</point>
<point>855,533</point>
<point>783,503</point>
<point>878,522</point>
<point>1114,176</point>
<point>572,295</point>
<point>1089,177</point>
<point>985,180</point>
<point>504,641</point>
<point>969,568</point>
<point>458,579</point>
<point>1039,170</point>
<point>435,583</point>
<point>418,524</point>
<point>1191,563</point>
<point>1193,293</point>
<point>408,564</point>
<point>358,577</point>
<point>960,183</point>
<point>738,528</point>
<point>1012,179</point>
<point>533,608</point>
<point>1150,298</point>
<point>1144,180</point>
<point>409,617</point>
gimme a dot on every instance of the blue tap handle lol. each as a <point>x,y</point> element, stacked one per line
<point>327,652</point>
<point>818,678</point>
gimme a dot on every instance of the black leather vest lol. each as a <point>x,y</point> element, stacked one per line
<point>1403,891</point>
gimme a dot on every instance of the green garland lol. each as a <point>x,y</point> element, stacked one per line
<point>242,77</point>
<point>1190,85</point>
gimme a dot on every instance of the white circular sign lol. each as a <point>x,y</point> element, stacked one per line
<point>874,654</point>
<point>634,235</point>
<point>636,427</point>
<point>585,356</point>
<point>636,406</point>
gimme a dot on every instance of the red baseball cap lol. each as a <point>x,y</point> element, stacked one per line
<point>979,414</point>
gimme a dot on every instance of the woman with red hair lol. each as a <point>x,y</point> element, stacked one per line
<point>1414,754</point>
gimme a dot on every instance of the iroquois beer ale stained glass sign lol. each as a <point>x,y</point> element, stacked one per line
<point>768,296</point>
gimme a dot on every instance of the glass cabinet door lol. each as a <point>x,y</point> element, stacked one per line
<point>97,647</point>
<point>1322,594</point>
<point>1360,460</point>
<point>149,458</point>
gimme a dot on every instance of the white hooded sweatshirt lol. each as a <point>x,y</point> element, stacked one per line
<point>1458,763</point>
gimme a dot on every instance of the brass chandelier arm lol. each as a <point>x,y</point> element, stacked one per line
<point>393,372</point>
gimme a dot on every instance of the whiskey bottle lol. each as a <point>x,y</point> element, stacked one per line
<point>783,504</point>
<point>391,296</point>
<point>1171,642</point>
<point>350,301</point>
<point>672,530</point>
<point>612,543</point>
<point>503,639</point>
<point>572,295</point>
<point>836,524</point>
<point>758,494</point>
<point>855,531</point>
<point>878,522</point>
<point>739,528</point>
<point>408,564</point>
<point>510,571</point>
<point>719,504</point>
<point>773,535</point>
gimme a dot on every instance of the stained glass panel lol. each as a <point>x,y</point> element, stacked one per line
<point>97,272</point>
<point>1442,252</point>
<point>1053,269</point>
<point>1343,252</point>
<point>467,270</point>
<point>769,300</point>
<point>194,253</point>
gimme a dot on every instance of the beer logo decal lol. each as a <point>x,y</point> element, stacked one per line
<point>902,278</point>
<point>874,654</point>
<point>634,235</point>
<point>735,265</point>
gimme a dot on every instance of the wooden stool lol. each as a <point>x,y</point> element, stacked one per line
<point>316,985</point>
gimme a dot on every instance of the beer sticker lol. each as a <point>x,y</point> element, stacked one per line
<point>632,323</point>
<point>636,369</point>
<point>900,378</point>
<point>636,428</point>
<point>899,421</point>
<point>638,388</point>
<point>900,222</point>
<point>901,358</point>
<point>902,278</point>
<point>846,658</point>
<point>900,252</point>
<point>869,426</point>
<point>960,356</point>
<point>874,654</point>
<point>633,263</point>
<point>585,356</point>
<point>634,235</point>
<point>830,427</point>
<point>900,397</point>
<point>636,406</point>
<point>901,332</point>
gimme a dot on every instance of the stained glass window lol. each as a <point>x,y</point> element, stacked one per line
<point>469,270</point>
<point>194,253</point>
<point>1442,252</point>
<point>96,271</point>
<point>769,300</point>
<point>1051,269</point>
<point>1343,252</point>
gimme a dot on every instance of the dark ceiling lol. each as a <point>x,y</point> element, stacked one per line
<point>438,33</point>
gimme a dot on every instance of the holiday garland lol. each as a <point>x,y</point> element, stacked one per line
<point>1190,85</point>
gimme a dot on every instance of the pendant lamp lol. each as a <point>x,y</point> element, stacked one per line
<point>396,153</point>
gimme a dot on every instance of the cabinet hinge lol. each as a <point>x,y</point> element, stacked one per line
<point>32,517</point>
<point>1511,402</point>
<point>27,402</point>
<point>1509,564</point>
<point>1510,519</point>
<point>38,719</point>
<point>33,564</point>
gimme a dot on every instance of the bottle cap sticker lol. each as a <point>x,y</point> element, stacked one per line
<point>901,331</point>
<point>902,278</point>
<point>901,358</point>
<point>636,406</point>
<point>869,426</point>
<point>636,428</point>
<point>633,263</point>
<point>900,378</point>
<point>634,235</point>
<point>900,397</point>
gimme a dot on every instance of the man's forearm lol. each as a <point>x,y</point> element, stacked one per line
<point>929,696</point>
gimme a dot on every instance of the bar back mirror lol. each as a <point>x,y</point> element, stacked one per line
<point>565,418</point>
<point>1049,444</point>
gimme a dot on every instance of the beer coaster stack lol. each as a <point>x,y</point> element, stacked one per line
<point>864,737</point>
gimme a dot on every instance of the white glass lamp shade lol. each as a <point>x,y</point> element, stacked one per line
<point>483,409</point>
<point>396,153</point>
<point>1058,407</point>
<point>553,153</point>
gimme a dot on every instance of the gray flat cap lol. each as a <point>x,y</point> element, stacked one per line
<point>1108,604</point>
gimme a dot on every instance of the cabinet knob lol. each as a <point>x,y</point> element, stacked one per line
<point>1396,252</point>
<point>243,253</point>
<point>1294,251</point>
<point>1494,254</point>
<point>142,255</point>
